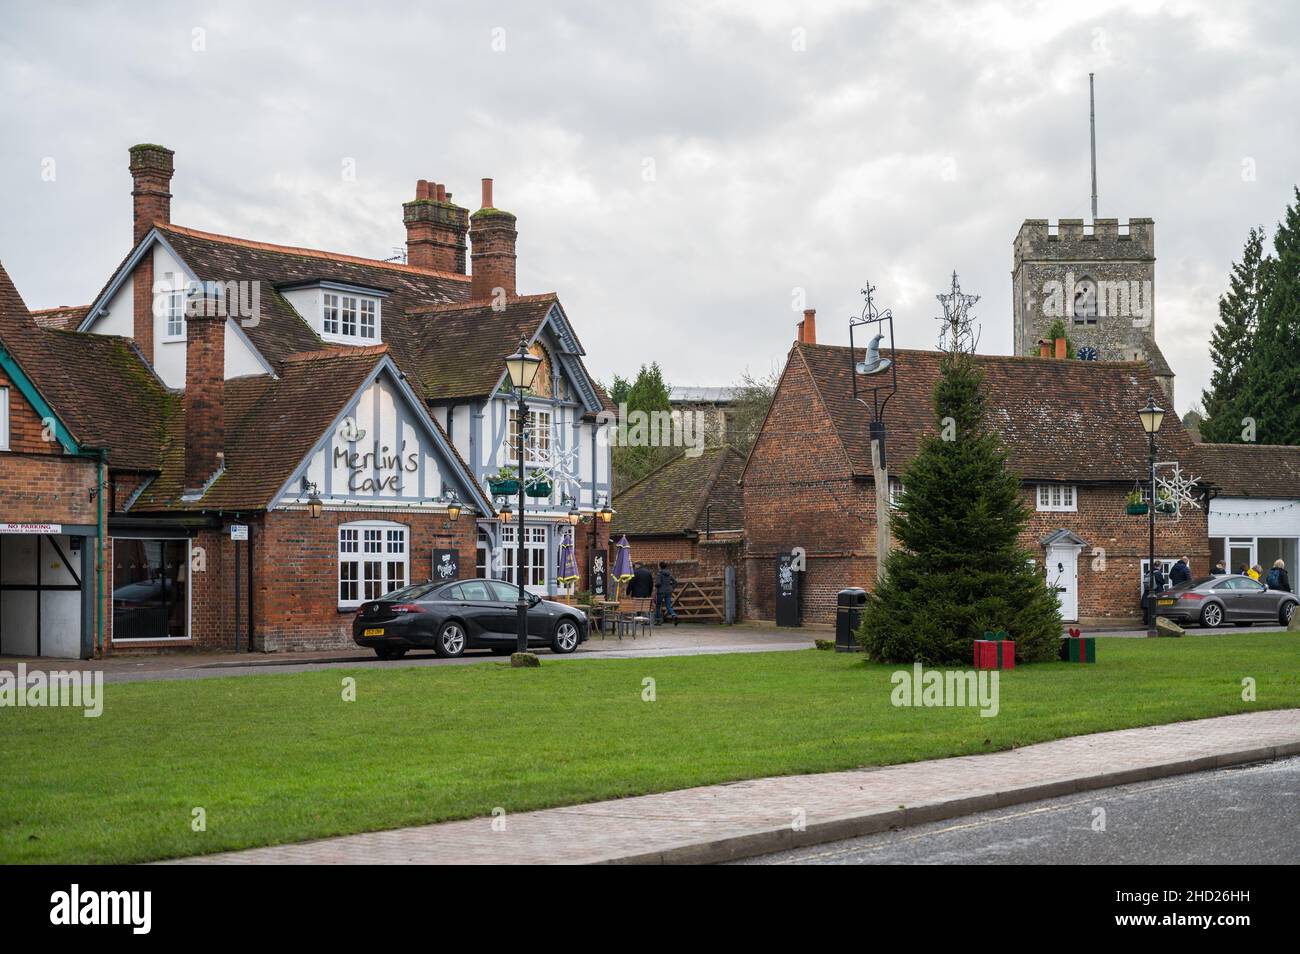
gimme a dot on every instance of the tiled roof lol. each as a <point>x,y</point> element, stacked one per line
<point>1060,420</point>
<point>464,345</point>
<point>271,425</point>
<point>62,317</point>
<point>1252,470</point>
<point>98,385</point>
<point>673,498</point>
<point>281,330</point>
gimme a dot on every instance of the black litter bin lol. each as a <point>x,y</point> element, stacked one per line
<point>848,615</point>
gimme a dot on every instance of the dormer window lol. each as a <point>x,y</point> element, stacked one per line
<point>350,318</point>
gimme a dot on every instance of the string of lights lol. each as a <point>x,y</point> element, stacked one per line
<point>1232,515</point>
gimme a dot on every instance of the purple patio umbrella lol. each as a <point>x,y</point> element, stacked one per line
<point>622,570</point>
<point>568,566</point>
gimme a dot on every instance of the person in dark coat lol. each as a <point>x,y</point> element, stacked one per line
<point>1277,578</point>
<point>1156,583</point>
<point>1180,573</point>
<point>642,584</point>
<point>664,583</point>
<point>1220,569</point>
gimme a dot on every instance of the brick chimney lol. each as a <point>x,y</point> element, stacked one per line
<point>435,229</point>
<point>205,410</point>
<point>151,180</point>
<point>493,233</point>
<point>808,327</point>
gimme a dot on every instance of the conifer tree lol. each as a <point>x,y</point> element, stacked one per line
<point>1230,344</point>
<point>959,569</point>
<point>1271,377</point>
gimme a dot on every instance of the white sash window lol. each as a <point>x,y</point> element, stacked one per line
<point>373,560</point>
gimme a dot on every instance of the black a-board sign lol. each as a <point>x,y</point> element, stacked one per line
<point>787,591</point>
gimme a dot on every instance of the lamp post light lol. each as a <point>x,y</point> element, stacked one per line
<point>522,369</point>
<point>1152,417</point>
<point>314,504</point>
<point>574,514</point>
<point>453,505</point>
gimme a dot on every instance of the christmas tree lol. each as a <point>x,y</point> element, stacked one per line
<point>959,569</point>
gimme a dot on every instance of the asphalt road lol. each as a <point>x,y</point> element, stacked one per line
<point>1243,816</point>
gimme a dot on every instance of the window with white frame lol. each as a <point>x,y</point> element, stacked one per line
<point>895,492</point>
<point>174,308</point>
<point>4,418</point>
<point>483,555</point>
<point>1058,497</point>
<point>349,317</point>
<point>534,555</point>
<point>537,444</point>
<point>373,560</point>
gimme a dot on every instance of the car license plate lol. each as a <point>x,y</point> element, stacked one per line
<point>1159,602</point>
<point>372,632</point>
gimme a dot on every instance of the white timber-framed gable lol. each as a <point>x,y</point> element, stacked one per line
<point>382,452</point>
<point>113,313</point>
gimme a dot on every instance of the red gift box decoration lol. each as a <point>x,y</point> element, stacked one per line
<point>995,651</point>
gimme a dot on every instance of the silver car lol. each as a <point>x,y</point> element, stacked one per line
<point>1215,600</point>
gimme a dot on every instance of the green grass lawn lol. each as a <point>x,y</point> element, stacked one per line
<point>279,758</point>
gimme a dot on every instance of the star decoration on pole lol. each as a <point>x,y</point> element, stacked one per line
<point>957,334</point>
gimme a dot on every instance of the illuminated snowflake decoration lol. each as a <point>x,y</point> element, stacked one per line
<point>561,467</point>
<point>1177,488</point>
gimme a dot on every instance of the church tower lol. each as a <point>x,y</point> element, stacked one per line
<point>1098,280</point>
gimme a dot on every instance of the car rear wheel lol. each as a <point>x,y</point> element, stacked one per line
<point>565,639</point>
<point>1284,614</point>
<point>1212,615</point>
<point>450,641</point>
<point>386,652</point>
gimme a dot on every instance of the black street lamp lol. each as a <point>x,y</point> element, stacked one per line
<point>1152,417</point>
<point>522,368</point>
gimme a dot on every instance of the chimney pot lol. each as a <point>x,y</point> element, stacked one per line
<point>808,327</point>
<point>435,235</point>
<point>487,194</point>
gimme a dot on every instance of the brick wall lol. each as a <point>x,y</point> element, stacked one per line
<point>798,491</point>
<point>38,482</point>
<point>296,572</point>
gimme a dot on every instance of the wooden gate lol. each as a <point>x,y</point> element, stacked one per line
<point>702,599</point>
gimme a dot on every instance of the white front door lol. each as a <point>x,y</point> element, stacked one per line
<point>1063,576</point>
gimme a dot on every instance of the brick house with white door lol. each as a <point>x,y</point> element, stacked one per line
<point>1073,436</point>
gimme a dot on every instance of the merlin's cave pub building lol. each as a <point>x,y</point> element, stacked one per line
<point>300,429</point>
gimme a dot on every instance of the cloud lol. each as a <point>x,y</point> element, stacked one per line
<point>677,168</point>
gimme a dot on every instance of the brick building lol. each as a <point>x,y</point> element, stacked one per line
<point>342,409</point>
<point>688,513</point>
<point>1073,435</point>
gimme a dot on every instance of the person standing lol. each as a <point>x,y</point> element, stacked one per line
<point>1278,578</point>
<point>1220,569</point>
<point>642,584</point>
<point>664,583</point>
<point>1155,585</point>
<point>1181,572</point>
<point>1255,572</point>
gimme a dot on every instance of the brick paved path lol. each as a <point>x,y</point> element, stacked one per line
<point>718,822</point>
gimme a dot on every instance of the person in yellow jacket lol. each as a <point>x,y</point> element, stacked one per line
<point>1255,572</point>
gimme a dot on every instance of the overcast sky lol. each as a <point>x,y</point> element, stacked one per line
<point>679,170</point>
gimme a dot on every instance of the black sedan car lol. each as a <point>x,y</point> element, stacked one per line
<point>1215,600</point>
<point>450,618</point>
